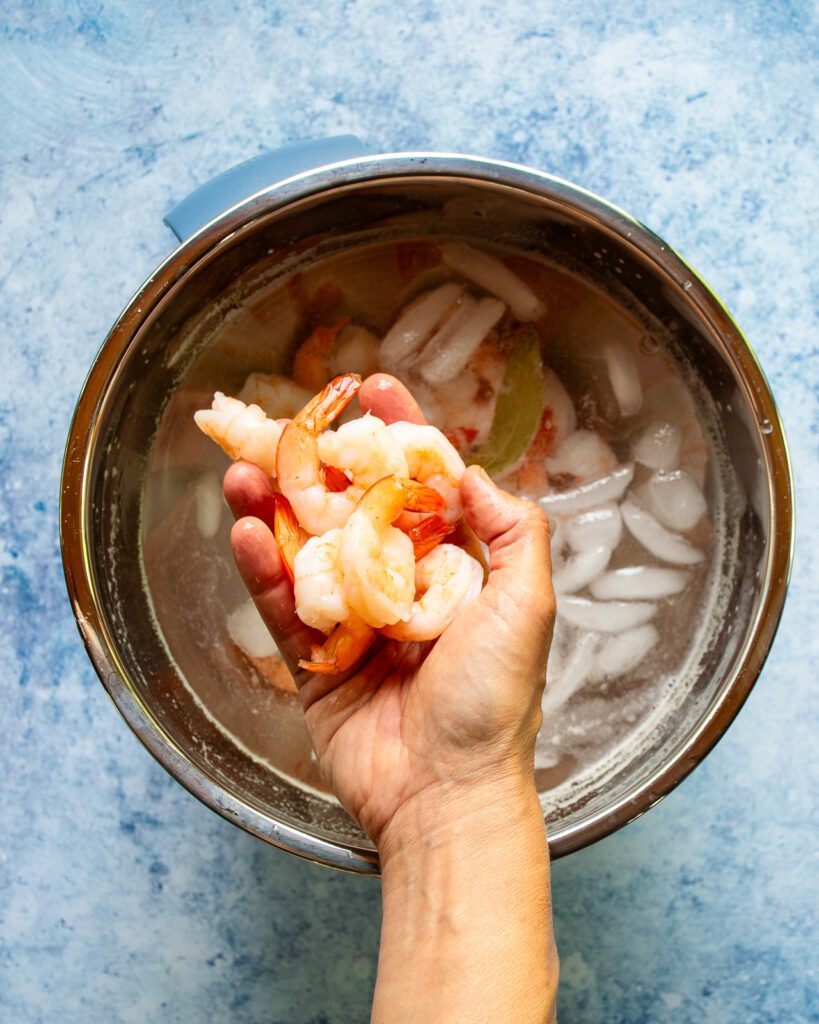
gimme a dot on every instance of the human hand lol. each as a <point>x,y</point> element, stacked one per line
<point>412,721</point>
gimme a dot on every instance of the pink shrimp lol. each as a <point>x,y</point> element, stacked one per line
<point>298,467</point>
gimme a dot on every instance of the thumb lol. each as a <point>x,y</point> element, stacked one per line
<point>517,535</point>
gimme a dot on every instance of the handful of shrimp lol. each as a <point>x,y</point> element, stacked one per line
<point>361,520</point>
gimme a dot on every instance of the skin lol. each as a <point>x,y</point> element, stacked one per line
<point>430,747</point>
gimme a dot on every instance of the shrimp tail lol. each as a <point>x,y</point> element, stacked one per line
<point>345,645</point>
<point>286,532</point>
<point>320,411</point>
<point>420,498</point>
<point>428,534</point>
<point>334,479</point>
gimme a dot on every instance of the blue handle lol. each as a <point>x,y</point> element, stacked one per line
<point>234,185</point>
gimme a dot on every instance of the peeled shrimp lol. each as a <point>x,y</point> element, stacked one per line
<point>464,408</point>
<point>289,536</point>
<point>356,351</point>
<point>311,362</point>
<point>342,649</point>
<point>318,582</point>
<point>279,397</point>
<point>445,580</point>
<point>584,455</point>
<point>560,416</point>
<point>298,464</point>
<point>364,447</point>
<point>432,460</point>
<point>242,431</point>
<point>378,559</point>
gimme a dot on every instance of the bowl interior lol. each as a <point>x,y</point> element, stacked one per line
<point>206,711</point>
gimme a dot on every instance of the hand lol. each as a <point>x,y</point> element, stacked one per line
<point>413,720</point>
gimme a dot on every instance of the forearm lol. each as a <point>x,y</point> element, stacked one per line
<point>467,928</point>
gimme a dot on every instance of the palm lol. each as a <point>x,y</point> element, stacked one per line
<point>411,713</point>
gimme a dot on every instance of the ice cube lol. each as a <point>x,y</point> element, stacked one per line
<point>588,495</point>
<point>248,631</point>
<point>495,277</point>
<point>571,674</point>
<point>209,503</point>
<point>625,382</point>
<point>675,499</point>
<point>658,446</point>
<point>670,547</point>
<point>620,654</point>
<point>599,527</point>
<point>581,569</point>
<point>604,616</point>
<point>583,454</point>
<point>638,582</point>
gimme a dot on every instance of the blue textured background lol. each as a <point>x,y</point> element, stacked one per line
<point>122,899</point>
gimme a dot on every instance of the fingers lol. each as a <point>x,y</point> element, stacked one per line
<point>386,397</point>
<point>249,491</point>
<point>517,534</point>
<point>260,565</point>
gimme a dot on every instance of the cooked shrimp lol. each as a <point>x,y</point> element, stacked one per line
<point>365,448</point>
<point>445,580</point>
<point>428,534</point>
<point>311,362</point>
<point>583,455</point>
<point>345,645</point>
<point>289,537</point>
<point>378,559</point>
<point>279,397</point>
<point>298,465</point>
<point>318,582</point>
<point>432,460</point>
<point>355,351</point>
<point>242,431</point>
<point>464,408</point>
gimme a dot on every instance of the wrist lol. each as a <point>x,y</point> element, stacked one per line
<point>466,813</point>
<point>467,906</point>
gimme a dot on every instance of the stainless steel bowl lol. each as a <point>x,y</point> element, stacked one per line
<point>160,359</point>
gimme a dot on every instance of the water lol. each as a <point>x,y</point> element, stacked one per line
<point>194,587</point>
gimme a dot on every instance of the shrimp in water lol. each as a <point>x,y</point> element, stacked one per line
<point>434,461</point>
<point>445,580</point>
<point>378,559</point>
<point>242,431</point>
<point>298,464</point>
